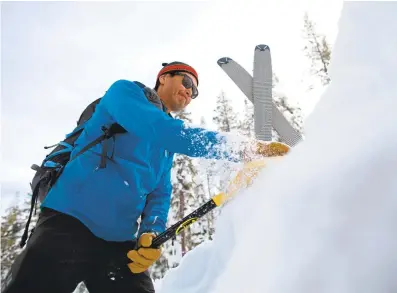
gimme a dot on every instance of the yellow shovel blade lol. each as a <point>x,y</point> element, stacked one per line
<point>244,178</point>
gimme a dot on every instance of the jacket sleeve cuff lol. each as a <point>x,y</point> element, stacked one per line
<point>151,225</point>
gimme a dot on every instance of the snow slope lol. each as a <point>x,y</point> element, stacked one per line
<point>324,218</point>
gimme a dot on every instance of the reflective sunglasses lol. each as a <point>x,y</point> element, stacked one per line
<point>187,82</point>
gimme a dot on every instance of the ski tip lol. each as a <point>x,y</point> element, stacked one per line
<point>224,60</point>
<point>262,47</point>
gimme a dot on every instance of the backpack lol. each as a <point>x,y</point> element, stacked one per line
<point>54,163</point>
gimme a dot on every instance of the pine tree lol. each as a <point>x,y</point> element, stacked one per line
<point>226,119</point>
<point>170,256</point>
<point>207,192</point>
<point>164,263</point>
<point>225,116</point>
<point>203,229</point>
<point>318,50</point>
<point>183,192</point>
<point>293,113</point>
<point>247,127</point>
<point>186,197</point>
<point>206,184</point>
<point>12,227</point>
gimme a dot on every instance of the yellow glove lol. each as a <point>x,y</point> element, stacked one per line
<point>271,149</point>
<point>143,257</point>
<point>257,148</point>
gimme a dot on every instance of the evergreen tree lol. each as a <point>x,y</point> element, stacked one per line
<point>318,50</point>
<point>165,262</point>
<point>12,227</point>
<point>183,187</point>
<point>247,127</point>
<point>226,120</point>
<point>293,113</point>
<point>186,197</point>
<point>225,116</point>
<point>206,183</point>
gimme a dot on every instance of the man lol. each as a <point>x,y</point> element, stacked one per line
<point>97,223</point>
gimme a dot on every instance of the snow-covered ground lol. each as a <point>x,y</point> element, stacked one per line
<point>324,218</point>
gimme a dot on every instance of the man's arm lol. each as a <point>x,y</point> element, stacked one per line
<point>128,106</point>
<point>155,213</point>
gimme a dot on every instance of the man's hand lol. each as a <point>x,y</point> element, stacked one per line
<point>143,257</point>
<point>271,149</point>
<point>257,148</point>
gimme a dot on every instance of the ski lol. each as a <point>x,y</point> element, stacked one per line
<point>244,81</point>
<point>262,92</point>
<point>239,75</point>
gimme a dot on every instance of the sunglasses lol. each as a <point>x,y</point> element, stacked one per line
<point>187,82</point>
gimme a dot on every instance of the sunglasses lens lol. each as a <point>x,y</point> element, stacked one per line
<point>187,82</point>
<point>194,92</point>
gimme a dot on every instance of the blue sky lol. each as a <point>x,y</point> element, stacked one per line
<point>59,56</point>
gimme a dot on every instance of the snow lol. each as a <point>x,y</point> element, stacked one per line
<point>322,219</point>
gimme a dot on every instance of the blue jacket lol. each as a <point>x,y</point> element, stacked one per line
<point>137,181</point>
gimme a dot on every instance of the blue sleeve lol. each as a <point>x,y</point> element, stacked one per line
<point>155,214</point>
<point>129,107</point>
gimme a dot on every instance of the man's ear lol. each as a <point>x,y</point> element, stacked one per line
<point>162,79</point>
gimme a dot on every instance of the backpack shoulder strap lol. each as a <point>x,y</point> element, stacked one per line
<point>114,129</point>
<point>107,133</point>
<point>87,113</point>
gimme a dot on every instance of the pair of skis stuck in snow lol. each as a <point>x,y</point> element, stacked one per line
<point>258,89</point>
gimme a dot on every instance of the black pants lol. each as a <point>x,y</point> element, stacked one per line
<point>62,252</point>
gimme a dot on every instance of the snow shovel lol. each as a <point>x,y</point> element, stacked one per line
<point>242,180</point>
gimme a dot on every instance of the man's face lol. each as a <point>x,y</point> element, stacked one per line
<point>174,95</point>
